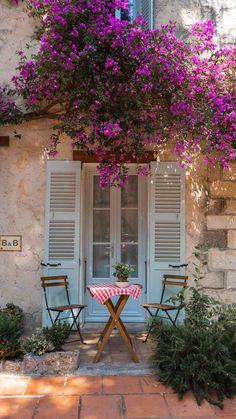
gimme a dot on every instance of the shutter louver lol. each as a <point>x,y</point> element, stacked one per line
<point>62,229</point>
<point>146,11</point>
<point>63,192</point>
<point>167,215</point>
<point>61,240</point>
<point>167,224</point>
<point>167,203</point>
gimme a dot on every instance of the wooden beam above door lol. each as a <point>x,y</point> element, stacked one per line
<point>84,157</point>
<point>4,141</point>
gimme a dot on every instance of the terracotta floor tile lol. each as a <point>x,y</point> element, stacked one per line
<point>18,408</point>
<point>58,407</point>
<point>12,386</point>
<point>145,406</point>
<point>83,385</point>
<point>121,385</point>
<point>45,386</point>
<point>188,406</point>
<point>150,384</point>
<point>101,407</point>
<point>229,408</point>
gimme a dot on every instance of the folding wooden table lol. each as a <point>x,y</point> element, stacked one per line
<point>103,294</point>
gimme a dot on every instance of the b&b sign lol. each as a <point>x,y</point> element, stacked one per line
<point>10,243</point>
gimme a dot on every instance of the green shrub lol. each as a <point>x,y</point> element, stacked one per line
<point>197,359</point>
<point>57,334</point>
<point>200,353</point>
<point>10,332</point>
<point>16,312</point>
<point>36,344</point>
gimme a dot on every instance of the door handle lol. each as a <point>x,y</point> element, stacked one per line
<point>145,289</point>
<point>85,275</point>
<point>50,264</point>
<point>112,249</point>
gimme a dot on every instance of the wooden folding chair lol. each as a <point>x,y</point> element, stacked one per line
<point>176,280</point>
<point>62,281</point>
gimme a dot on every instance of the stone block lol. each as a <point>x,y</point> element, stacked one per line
<point>230,280</point>
<point>230,207</point>
<point>223,189</point>
<point>230,174</point>
<point>232,239</point>
<point>222,260</point>
<point>12,367</point>
<point>217,238</point>
<point>53,363</point>
<point>221,222</point>
<point>226,296</point>
<point>216,206</point>
<point>213,280</point>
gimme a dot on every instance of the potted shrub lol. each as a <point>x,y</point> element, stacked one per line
<point>122,271</point>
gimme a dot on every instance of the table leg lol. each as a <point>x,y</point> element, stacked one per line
<point>113,321</point>
<point>109,321</point>
<point>120,326</point>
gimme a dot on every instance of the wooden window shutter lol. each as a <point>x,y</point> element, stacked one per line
<point>167,220</point>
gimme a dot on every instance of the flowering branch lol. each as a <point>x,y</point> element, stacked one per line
<point>123,87</point>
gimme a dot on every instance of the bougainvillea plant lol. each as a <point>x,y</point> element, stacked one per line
<point>9,111</point>
<point>116,87</point>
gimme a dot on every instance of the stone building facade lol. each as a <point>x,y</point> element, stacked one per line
<point>210,193</point>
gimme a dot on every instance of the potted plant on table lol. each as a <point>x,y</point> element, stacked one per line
<point>122,271</point>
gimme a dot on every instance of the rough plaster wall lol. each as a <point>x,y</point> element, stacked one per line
<point>16,29</point>
<point>187,12</point>
<point>22,206</point>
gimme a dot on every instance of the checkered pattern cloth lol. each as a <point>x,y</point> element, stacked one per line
<point>102,292</point>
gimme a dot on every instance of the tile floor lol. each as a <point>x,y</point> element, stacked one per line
<point>140,397</point>
<point>108,390</point>
<point>115,359</point>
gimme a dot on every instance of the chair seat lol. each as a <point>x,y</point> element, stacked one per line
<point>67,307</point>
<point>160,306</point>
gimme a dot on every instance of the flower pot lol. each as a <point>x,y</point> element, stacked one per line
<point>123,284</point>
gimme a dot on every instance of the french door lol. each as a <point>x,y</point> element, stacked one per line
<point>115,231</point>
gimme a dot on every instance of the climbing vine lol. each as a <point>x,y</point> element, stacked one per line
<point>115,87</point>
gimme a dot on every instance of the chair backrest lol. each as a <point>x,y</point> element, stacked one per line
<point>55,281</point>
<point>179,280</point>
<point>171,279</point>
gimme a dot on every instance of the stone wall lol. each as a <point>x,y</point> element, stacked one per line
<point>220,233</point>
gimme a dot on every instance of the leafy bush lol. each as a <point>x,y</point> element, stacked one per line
<point>36,344</point>
<point>10,332</point>
<point>16,312</point>
<point>57,334</point>
<point>200,353</point>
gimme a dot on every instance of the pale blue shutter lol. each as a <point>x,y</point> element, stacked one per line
<point>167,223</point>
<point>145,8</point>
<point>62,227</point>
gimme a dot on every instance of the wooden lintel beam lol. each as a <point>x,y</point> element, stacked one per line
<point>84,157</point>
<point>4,141</point>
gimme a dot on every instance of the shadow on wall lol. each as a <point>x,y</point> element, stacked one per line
<point>187,12</point>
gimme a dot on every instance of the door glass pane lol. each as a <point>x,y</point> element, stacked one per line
<point>101,197</point>
<point>101,261</point>
<point>129,254</point>
<point>129,193</point>
<point>101,226</point>
<point>129,225</point>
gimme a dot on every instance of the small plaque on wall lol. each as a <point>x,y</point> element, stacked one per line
<point>10,243</point>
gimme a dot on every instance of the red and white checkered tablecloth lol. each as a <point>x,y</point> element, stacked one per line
<point>103,292</point>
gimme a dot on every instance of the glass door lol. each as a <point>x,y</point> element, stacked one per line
<point>115,231</point>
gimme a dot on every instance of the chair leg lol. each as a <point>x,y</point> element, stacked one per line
<point>76,322</point>
<point>152,323</point>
